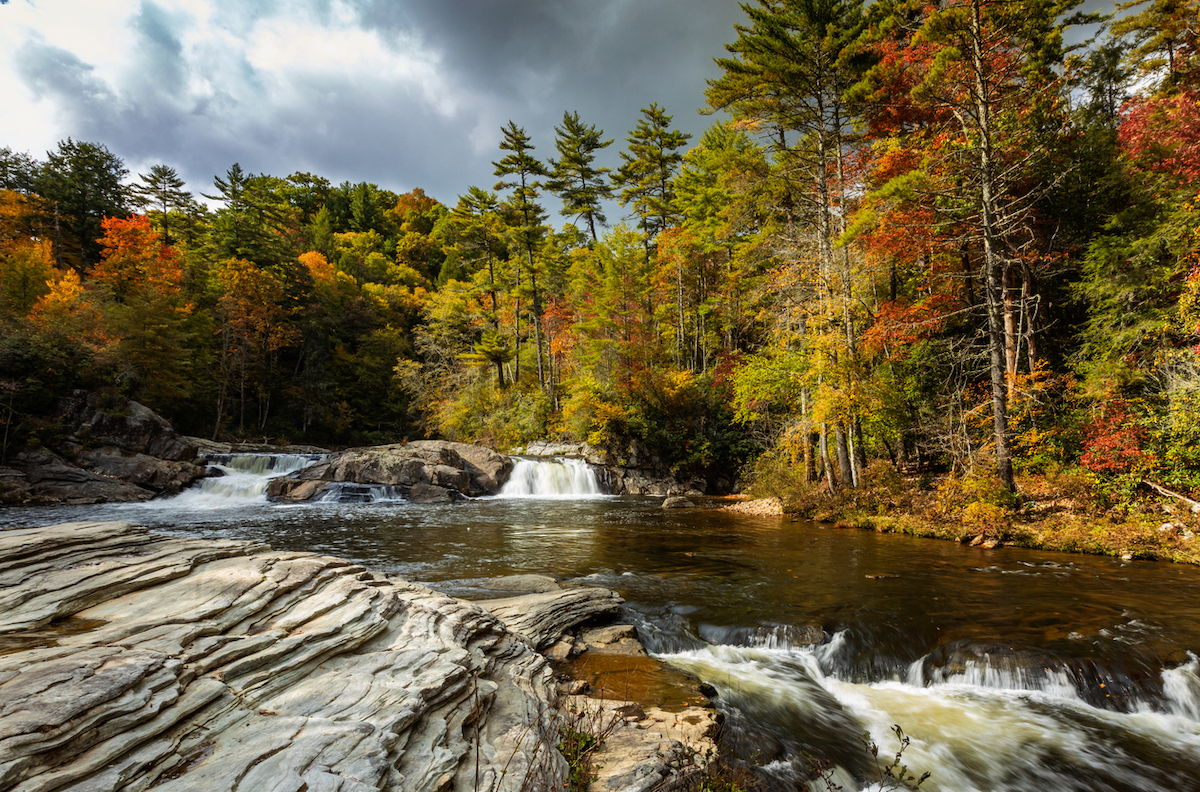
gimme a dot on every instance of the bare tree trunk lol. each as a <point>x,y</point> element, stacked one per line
<point>992,264</point>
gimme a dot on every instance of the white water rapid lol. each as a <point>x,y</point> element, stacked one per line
<point>555,477</point>
<point>982,729</point>
<point>243,481</point>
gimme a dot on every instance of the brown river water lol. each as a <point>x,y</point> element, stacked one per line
<point>1009,669</point>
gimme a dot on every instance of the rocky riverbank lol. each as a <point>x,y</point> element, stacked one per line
<point>111,450</point>
<point>130,660</point>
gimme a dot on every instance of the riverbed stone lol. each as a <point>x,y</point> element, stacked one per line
<point>187,664</point>
<point>530,584</point>
<point>613,639</point>
<point>678,502</point>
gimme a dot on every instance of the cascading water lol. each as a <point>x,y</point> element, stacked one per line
<point>243,481</point>
<point>982,725</point>
<point>556,477</point>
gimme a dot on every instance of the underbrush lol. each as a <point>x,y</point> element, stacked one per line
<point>1069,510</point>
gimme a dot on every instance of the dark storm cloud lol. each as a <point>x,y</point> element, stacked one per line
<point>161,53</point>
<point>199,105</point>
<point>58,74</point>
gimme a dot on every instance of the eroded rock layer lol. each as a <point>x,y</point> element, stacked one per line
<point>130,660</point>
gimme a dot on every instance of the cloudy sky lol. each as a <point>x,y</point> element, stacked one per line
<point>403,93</point>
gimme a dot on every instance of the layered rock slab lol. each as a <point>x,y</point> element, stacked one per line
<point>130,660</point>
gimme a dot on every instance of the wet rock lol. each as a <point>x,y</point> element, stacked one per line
<point>429,493</point>
<point>678,502</point>
<point>575,687</point>
<point>287,488</point>
<point>541,619</point>
<point>563,649</point>
<point>546,448</point>
<point>220,665</point>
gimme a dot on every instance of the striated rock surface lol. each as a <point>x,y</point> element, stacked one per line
<point>542,618</point>
<point>434,468</point>
<point>130,660</point>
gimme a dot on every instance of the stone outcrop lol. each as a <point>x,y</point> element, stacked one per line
<point>41,477</point>
<point>130,660</point>
<point>435,470</point>
<point>542,618</point>
<point>115,450</point>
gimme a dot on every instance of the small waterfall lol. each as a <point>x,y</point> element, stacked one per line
<point>349,492</point>
<point>244,480</point>
<point>555,477</point>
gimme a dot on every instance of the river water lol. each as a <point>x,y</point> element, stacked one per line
<point>1008,669</point>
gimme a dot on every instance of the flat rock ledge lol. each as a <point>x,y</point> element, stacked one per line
<point>427,471</point>
<point>130,660</point>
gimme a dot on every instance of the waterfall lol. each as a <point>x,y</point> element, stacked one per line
<point>555,477</point>
<point>244,480</point>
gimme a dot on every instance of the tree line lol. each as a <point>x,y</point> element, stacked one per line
<point>934,233</point>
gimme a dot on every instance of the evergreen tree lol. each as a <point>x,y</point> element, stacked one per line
<point>162,191</point>
<point>528,227</point>
<point>647,173</point>
<point>575,179</point>
<point>81,184</point>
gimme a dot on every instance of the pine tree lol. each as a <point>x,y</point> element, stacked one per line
<point>528,228</point>
<point>578,183</point>
<point>162,191</point>
<point>646,176</point>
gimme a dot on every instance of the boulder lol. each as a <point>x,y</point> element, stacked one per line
<point>428,493</point>
<point>452,467</point>
<point>135,661</point>
<point>161,475</point>
<point>678,502</point>
<point>614,639</point>
<point>116,450</point>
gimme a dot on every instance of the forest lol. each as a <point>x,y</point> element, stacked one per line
<point>931,237</point>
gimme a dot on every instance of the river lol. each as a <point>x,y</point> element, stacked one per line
<point>1008,669</point>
